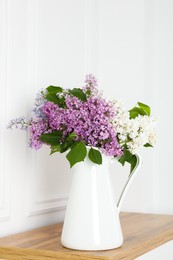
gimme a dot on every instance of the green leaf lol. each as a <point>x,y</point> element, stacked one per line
<point>54,149</point>
<point>95,156</point>
<point>134,112</point>
<point>133,162</point>
<point>147,145</point>
<point>52,95</point>
<point>77,92</point>
<point>77,154</point>
<point>66,145</point>
<point>130,158</point>
<point>145,108</point>
<point>88,92</point>
<point>53,98</point>
<point>54,90</point>
<point>51,138</point>
<point>72,136</point>
<point>125,157</point>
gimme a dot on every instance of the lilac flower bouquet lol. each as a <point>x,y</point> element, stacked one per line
<point>73,119</point>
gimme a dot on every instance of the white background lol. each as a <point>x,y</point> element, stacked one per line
<point>128,46</point>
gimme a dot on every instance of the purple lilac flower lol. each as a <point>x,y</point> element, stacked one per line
<point>91,85</point>
<point>36,129</point>
<point>90,120</point>
<point>112,148</point>
<point>56,116</point>
<point>91,80</point>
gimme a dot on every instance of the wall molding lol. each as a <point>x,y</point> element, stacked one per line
<point>49,206</point>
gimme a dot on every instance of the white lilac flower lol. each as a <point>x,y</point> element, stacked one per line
<point>141,131</point>
<point>134,133</point>
<point>19,123</point>
<point>121,121</point>
<point>152,138</point>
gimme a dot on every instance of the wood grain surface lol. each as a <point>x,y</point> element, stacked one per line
<point>142,232</point>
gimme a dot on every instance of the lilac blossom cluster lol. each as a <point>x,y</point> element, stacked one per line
<point>40,100</point>
<point>89,119</point>
<point>71,119</point>
<point>19,123</point>
<point>36,129</point>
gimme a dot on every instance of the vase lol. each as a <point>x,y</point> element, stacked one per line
<point>92,216</point>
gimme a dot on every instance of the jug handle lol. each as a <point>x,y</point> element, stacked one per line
<point>128,182</point>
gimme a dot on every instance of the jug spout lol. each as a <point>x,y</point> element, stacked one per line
<point>129,182</point>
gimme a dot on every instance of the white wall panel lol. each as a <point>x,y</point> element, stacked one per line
<point>4,175</point>
<point>163,92</point>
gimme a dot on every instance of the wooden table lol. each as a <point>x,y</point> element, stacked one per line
<point>142,232</point>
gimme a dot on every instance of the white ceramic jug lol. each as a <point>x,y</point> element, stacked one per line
<point>92,217</point>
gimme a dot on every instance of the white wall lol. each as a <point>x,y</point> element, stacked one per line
<point>128,45</point>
